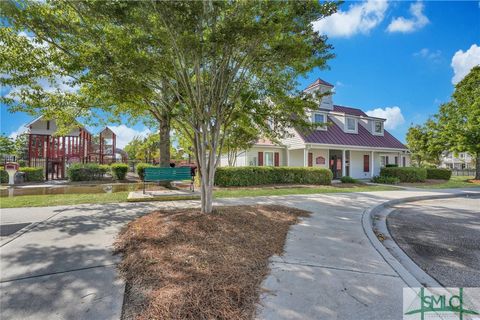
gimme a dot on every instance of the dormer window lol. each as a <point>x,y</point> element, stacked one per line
<point>378,127</point>
<point>320,118</point>
<point>351,124</point>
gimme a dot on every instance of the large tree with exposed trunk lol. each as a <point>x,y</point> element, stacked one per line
<point>199,62</point>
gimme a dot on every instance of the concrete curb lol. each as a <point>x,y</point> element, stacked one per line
<point>374,223</point>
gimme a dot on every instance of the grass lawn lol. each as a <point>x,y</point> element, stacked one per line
<point>454,182</point>
<point>72,199</point>
<point>184,265</point>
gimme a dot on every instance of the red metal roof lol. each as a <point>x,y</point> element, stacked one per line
<point>335,135</point>
<point>350,111</point>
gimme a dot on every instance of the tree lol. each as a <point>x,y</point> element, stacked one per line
<point>200,63</point>
<point>459,120</point>
<point>132,148</point>
<point>7,145</point>
<point>422,141</point>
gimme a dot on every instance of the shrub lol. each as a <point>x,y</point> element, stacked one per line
<point>439,173</point>
<point>405,174</point>
<point>86,171</point>
<point>22,163</point>
<point>252,176</point>
<point>3,176</point>
<point>32,174</point>
<point>393,165</point>
<point>141,168</point>
<point>119,171</point>
<point>386,180</point>
<point>348,179</point>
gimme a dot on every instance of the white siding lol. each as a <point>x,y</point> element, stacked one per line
<point>252,155</point>
<point>320,153</point>
<point>40,127</point>
<point>296,158</point>
<point>293,139</point>
<point>356,164</point>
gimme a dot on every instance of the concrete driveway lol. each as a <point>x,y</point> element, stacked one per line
<point>61,266</point>
<point>442,237</point>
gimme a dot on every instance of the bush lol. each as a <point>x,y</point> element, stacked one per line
<point>391,165</point>
<point>252,176</point>
<point>405,174</point>
<point>119,171</point>
<point>348,179</point>
<point>22,163</point>
<point>3,176</point>
<point>438,173</point>
<point>141,168</point>
<point>386,180</point>
<point>86,171</point>
<point>32,174</point>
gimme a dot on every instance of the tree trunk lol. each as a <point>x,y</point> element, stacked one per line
<point>477,167</point>
<point>165,140</point>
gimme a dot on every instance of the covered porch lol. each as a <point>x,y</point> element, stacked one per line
<point>353,162</point>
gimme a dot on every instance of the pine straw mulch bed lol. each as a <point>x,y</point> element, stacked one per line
<point>185,265</point>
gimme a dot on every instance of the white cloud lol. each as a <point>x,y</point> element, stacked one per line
<point>126,134</point>
<point>392,114</point>
<point>359,18</point>
<point>463,62</point>
<point>434,56</point>
<point>417,21</point>
<point>21,129</point>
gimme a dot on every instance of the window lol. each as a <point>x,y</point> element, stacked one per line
<point>378,127</point>
<point>366,163</point>
<point>319,118</point>
<point>396,160</point>
<point>404,159</point>
<point>269,158</point>
<point>351,124</point>
<point>383,161</point>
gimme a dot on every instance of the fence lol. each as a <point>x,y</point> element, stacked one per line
<point>463,172</point>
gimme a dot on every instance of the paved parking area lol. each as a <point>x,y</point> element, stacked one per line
<point>442,237</point>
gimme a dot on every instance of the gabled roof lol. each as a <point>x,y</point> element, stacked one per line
<point>317,83</point>
<point>335,135</point>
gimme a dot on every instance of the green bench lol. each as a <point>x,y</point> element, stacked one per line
<point>168,174</point>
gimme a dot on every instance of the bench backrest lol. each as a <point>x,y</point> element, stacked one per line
<point>167,174</point>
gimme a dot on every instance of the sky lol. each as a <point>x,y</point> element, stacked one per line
<point>394,60</point>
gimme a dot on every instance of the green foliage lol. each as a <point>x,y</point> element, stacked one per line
<point>22,163</point>
<point>252,176</point>
<point>386,180</point>
<point>391,165</point>
<point>3,176</point>
<point>32,174</point>
<point>423,143</point>
<point>86,171</point>
<point>405,174</point>
<point>348,179</point>
<point>439,173</point>
<point>7,145</point>
<point>140,167</point>
<point>119,171</point>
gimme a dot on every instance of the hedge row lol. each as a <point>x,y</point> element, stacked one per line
<point>385,180</point>
<point>141,168</point>
<point>439,173</point>
<point>86,171</point>
<point>405,174</point>
<point>119,171</point>
<point>253,176</point>
<point>32,174</point>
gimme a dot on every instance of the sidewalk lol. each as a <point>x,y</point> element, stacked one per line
<point>62,267</point>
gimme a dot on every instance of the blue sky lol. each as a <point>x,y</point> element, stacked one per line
<point>398,60</point>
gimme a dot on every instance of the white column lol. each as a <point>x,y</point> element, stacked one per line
<point>372,164</point>
<point>305,157</point>
<point>343,163</point>
<point>288,157</point>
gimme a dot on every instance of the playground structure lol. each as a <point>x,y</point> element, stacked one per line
<point>55,153</point>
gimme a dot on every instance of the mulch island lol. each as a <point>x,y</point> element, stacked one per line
<point>185,265</point>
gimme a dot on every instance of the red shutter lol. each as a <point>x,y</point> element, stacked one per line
<point>276,159</point>
<point>366,163</point>
<point>260,159</point>
<point>310,159</point>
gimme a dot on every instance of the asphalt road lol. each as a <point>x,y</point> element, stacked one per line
<point>442,237</point>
